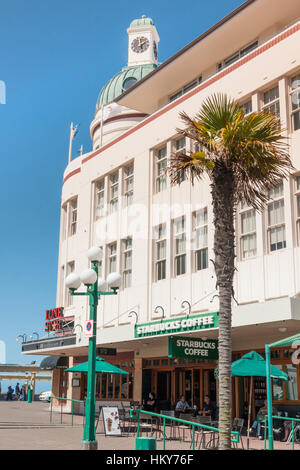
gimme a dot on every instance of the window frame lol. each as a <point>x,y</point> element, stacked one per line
<point>73,210</point>
<point>198,251</point>
<point>160,175</point>
<point>270,227</point>
<point>128,193</point>
<point>112,255</point>
<point>125,269</point>
<point>245,209</point>
<point>178,257</point>
<point>267,105</point>
<point>99,209</point>
<point>113,200</point>
<point>160,263</point>
<point>180,150</point>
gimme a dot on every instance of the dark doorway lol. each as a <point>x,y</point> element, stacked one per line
<point>147,382</point>
<point>164,390</point>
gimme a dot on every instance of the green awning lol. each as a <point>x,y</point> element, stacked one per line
<point>286,342</point>
<point>102,367</point>
<point>253,365</point>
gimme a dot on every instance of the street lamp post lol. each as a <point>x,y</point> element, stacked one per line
<point>95,288</point>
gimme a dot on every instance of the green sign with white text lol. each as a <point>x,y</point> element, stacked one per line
<point>177,325</point>
<point>180,346</point>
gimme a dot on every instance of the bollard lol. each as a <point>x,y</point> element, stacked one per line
<point>29,398</point>
<point>145,443</point>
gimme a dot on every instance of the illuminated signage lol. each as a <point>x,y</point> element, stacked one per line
<point>54,319</point>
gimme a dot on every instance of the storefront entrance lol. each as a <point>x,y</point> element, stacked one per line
<point>194,384</point>
<point>194,381</point>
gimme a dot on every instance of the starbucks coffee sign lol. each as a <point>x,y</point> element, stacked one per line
<point>180,346</point>
<point>178,325</point>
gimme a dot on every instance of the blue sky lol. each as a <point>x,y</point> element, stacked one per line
<point>55,57</point>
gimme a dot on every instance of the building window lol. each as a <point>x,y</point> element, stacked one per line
<point>179,246</point>
<point>271,102</point>
<point>189,86</point>
<point>161,164</point>
<point>295,99</point>
<point>114,191</point>
<point>276,225</point>
<point>160,253</point>
<point>247,107</point>
<point>112,258</point>
<point>128,184</point>
<point>114,387</point>
<point>69,297</point>
<point>127,262</point>
<point>201,232</point>
<point>180,148</point>
<point>100,199</point>
<point>237,55</point>
<point>248,232</point>
<point>73,217</point>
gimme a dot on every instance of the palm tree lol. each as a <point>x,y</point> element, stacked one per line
<point>244,156</point>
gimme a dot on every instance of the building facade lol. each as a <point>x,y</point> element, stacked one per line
<point>160,237</point>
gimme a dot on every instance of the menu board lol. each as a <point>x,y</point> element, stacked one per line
<point>111,421</point>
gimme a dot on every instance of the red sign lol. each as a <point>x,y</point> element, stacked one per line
<point>54,319</point>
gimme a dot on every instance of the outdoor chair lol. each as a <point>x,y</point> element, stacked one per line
<point>170,424</point>
<point>238,425</point>
<point>182,428</point>
<point>127,423</point>
<point>203,435</point>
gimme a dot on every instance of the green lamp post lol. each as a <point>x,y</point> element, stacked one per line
<point>95,288</point>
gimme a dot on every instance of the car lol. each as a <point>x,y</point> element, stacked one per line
<point>45,396</point>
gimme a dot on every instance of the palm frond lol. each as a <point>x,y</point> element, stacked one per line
<point>252,147</point>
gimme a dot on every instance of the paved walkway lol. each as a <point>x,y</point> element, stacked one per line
<point>27,426</point>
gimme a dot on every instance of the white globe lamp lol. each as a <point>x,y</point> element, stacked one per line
<point>114,280</point>
<point>95,254</point>
<point>102,284</point>
<point>88,277</point>
<point>73,281</point>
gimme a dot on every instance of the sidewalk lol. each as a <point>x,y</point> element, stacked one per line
<point>27,426</point>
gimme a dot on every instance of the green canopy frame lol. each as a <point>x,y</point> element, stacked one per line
<point>283,342</point>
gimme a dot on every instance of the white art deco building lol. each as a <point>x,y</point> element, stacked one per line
<point>160,238</point>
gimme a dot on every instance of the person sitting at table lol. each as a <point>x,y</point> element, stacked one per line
<point>257,423</point>
<point>149,403</point>
<point>208,409</point>
<point>181,407</point>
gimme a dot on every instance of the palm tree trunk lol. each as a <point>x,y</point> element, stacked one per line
<point>223,205</point>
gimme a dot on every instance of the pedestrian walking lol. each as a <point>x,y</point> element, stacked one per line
<point>10,392</point>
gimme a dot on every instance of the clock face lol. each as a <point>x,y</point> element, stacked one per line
<point>140,44</point>
<point>155,49</point>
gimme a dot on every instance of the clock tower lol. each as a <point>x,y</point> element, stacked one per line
<point>143,42</point>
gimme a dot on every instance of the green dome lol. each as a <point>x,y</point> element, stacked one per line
<point>121,82</point>
<point>144,21</point>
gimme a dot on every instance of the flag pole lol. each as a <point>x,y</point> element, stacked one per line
<point>70,143</point>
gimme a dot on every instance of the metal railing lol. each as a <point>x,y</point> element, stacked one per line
<point>136,414</point>
<point>61,408</point>
<point>291,437</point>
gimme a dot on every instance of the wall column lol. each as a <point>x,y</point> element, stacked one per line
<point>138,377</point>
